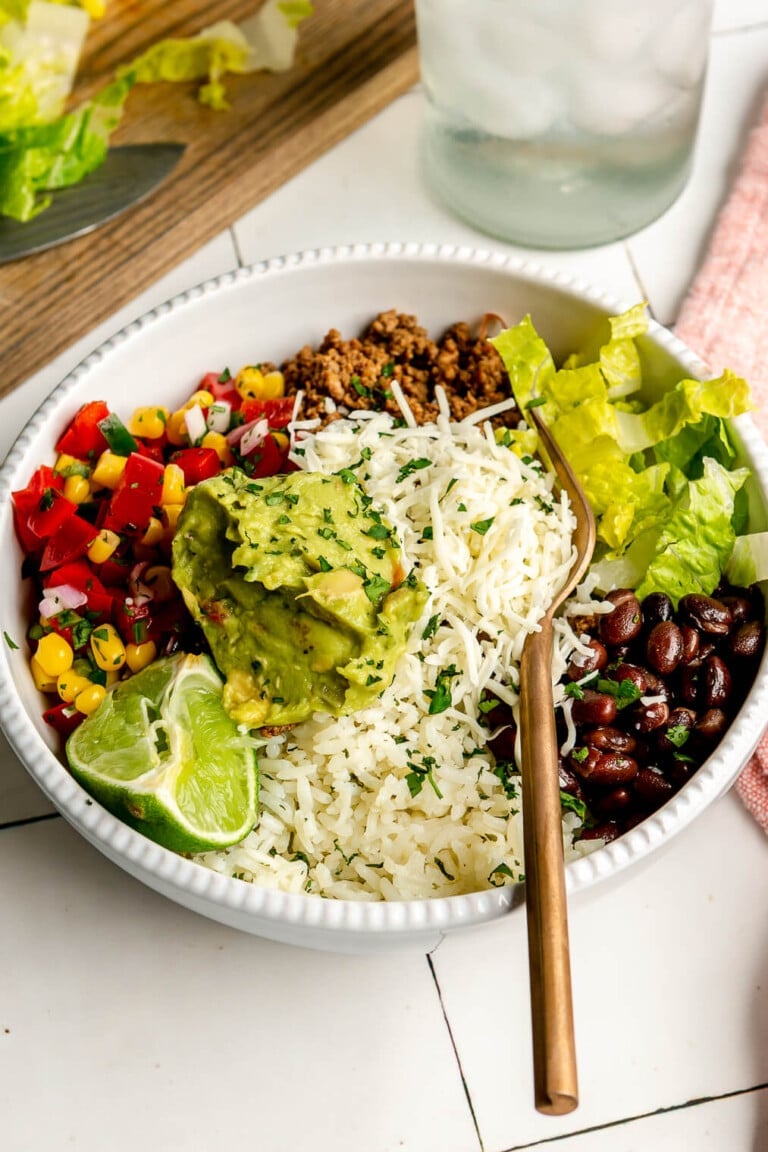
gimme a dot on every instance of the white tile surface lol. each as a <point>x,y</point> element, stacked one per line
<point>736,1122</point>
<point>732,15</point>
<point>128,1023</point>
<point>670,992</point>
<point>667,254</point>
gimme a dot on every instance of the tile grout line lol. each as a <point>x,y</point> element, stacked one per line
<point>694,1103</point>
<point>758,26</point>
<point>4,825</point>
<point>455,1052</point>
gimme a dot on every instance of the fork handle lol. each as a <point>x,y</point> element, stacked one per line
<point>554,1055</point>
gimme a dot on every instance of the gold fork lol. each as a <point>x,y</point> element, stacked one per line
<point>554,1052</point>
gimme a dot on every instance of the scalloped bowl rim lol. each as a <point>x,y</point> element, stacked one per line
<point>254,908</point>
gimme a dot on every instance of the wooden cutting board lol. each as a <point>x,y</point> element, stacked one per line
<point>353,58</point>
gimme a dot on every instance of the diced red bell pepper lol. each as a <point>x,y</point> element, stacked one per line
<point>26,503</point>
<point>67,543</point>
<point>154,449</point>
<point>115,570</point>
<point>133,621</point>
<point>268,459</point>
<point>83,438</point>
<point>49,513</point>
<point>278,412</point>
<point>64,718</point>
<point>197,464</point>
<point>136,496</point>
<point>221,389</point>
<point>80,575</point>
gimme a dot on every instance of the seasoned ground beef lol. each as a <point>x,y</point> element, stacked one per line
<point>357,373</point>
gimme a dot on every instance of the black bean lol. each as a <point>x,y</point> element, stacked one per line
<point>609,739</point>
<point>594,708</point>
<point>622,624</point>
<point>664,647</point>
<point>706,613</point>
<point>582,665</point>
<point>657,607</point>
<point>746,642</point>
<point>715,682</point>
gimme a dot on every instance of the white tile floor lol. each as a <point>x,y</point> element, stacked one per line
<point>127,1022</point>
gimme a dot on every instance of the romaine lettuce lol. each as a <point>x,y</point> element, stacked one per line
<point>659,477</point>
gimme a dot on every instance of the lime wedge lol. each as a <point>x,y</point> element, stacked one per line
<point>161,753</point>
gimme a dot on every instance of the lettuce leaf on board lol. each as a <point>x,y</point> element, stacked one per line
<point>42,148</point>
<point>660,477</point>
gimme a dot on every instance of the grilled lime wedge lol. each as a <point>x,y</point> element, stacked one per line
<point>161,754</point>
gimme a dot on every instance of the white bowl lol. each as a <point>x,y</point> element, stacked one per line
<point>271,309</point>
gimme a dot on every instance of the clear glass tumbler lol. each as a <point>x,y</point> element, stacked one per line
<point>561,123</point>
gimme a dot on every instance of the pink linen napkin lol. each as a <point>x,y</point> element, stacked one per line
<point>724,320</point>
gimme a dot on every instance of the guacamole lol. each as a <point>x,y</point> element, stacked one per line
<point>297,583</point>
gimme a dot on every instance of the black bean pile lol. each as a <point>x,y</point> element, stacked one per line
<point>654,696</point>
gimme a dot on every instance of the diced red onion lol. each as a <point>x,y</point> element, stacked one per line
<point>141,592</point>
<point>60,598</point>
<point>219,415</point>
<point>254,437</point>
<point>195,421</point>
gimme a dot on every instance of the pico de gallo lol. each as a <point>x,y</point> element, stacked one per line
<point>96,528</point>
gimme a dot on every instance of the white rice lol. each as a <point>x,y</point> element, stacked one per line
<point>338,817</point>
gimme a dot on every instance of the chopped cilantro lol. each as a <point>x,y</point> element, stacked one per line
<point>440,695</point>
<point>411,467</point>
<point>11,643</point>
<point>482,526</point>
<point>624,692</point>
<point>431,626</point>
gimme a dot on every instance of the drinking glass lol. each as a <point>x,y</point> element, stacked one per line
<point>561,123</point>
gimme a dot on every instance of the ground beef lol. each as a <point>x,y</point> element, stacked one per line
<point>357,373</point>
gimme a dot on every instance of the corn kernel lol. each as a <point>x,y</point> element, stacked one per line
<point>54,654</point>
<point>253,384</point>
<point>109,468</point>
<point>283,442</point>
<point>89,699</point>
<point>107,648</point>
<point>218,441</point>
<point>153,534</point>
<point>176,429</point>
<point>112,679</point>
<point>158,578</point>
<point>138,656</point>
<point>103,546</point>
<point>148,422</point>
<point>95,8</point>
<point>171,513</point>
<point>77,489</point>
<point>65,462</point>
<point>201,399</point>
<point>173,485</point>
<point>70,684</point>
<point>273,385</point>
<point>44,682</point>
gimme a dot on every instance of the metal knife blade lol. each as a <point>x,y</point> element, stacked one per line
<point>126,177</point>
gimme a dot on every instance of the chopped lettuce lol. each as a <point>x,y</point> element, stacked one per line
<point>749,560</point>
<point>660,477</point>
<point>39,54</point>
<point>42,148</point>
